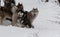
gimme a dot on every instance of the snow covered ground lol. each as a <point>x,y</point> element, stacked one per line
<point>47,23</point>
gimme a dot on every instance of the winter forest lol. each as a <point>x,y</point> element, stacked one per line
<point>29,18</point>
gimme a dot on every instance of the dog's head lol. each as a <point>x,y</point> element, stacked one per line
<point>20,6</point>
<point>34,11</point>
<point>20,14</point>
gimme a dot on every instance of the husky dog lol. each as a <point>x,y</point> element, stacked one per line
<point>4,14</point>
<point>8,4</point>
<point>13,14</point>
<point>15,11</point>
<point>32,14</point>
<point>28,17</point>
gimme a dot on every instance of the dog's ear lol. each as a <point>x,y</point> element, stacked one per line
<point>36,8</point>
<point>18,3</point>
<point>33,8</point>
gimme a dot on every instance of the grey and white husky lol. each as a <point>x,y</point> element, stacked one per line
<point>29,17</point>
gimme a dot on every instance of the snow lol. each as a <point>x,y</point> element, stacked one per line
<point>47,23</point>
<point>9,31</point>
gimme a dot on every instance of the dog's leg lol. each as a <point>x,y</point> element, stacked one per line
<point>29,25</point>
<point>1,20</point>
<point>14,19</point>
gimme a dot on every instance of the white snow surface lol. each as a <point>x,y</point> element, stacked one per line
<point>47,23</point>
